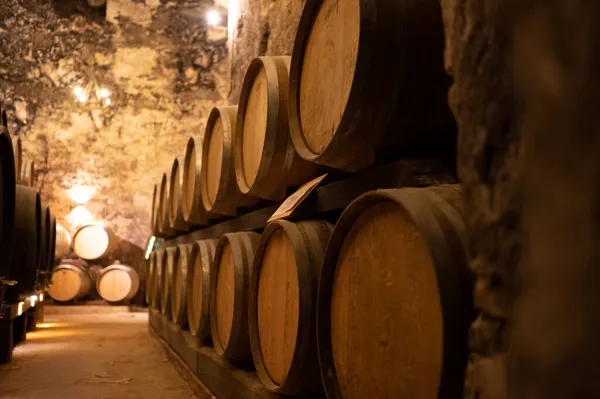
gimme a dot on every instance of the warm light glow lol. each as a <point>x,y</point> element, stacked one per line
<point>81,94</point>
<point>107,101</point>
<point>33,300</point>
<point>41,297</point>
<point>80,216</point>
<point>81,194</point>
<point>213,18</point>
<point>20,308</point>
<point>104,93</point>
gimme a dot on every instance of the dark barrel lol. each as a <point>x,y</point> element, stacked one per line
<point>7,201</point>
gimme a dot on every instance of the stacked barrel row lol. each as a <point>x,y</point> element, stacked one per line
<point>332,104</point>
<point>74,279</point>
<point>27,226</point>
<point>378,306</point>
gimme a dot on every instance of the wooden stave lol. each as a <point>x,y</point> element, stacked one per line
<point>280,166</point>
<point>243,246</point>
<point>85,280</point>
<point>383,49</point>
<point>26,238</point>
<point>135,281</point>
<point>304,375</point>
<point>194,213</point>
<point>174,207</point>
<point>62,241</point>
<point>8,193</point>
<point>201,330</point>
<point>169,260</point>
<point>28,173</point>
<point>160,257</point>
<point>112,241</point>
<point>164,227</point>
<point>179,316</point>
<point>229,197</point>
<point>150,266</point>
<point>455,281</point>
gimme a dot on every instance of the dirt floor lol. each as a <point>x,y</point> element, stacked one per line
<point>91,356</point>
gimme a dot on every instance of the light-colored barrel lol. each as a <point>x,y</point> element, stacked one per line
<point>283,305</point>
<point>63,242</point>
<point>118,283</point>
<point>229,285</point>
<point>266,162</point>
<point>198,295</point>
<point>94,241</point>
<point>70,281</point>
<point>220,193</point>
<point>395,297</point>
<point>164,227</point>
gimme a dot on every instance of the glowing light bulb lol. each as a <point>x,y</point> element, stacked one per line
<point>33,300</point>
<point>81,94</point>
<point>81,194</point>
<point>213,17</point>
<point>104,93</point>
<point>41,297</point>
<point>107,101</point>
<point>20,308</point>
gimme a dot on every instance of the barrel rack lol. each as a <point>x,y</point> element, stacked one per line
<point>16,319</point>
<point>201,366</point>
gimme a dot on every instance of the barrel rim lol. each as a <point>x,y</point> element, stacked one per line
<point>174,207</point>
<point>228,193</point>
<point>361,148</point>
<point>153,212</point>
<point>8,187</point>
<point>167,278</point>
<point>164,228</point>
<point>193,212</point>
<point>274,105</point>
<point>425,221</point>
<point>236,344</point>
<point>52,246</point>
<point>201,330</point>
<point>306,311</point>
<point>158,275</point>
<point>77,270</point>
<point>149,277</point>
<point>179,316</point>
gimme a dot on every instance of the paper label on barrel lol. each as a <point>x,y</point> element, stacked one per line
<point>293,201</point>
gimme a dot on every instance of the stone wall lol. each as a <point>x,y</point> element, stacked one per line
<point>164,68</point>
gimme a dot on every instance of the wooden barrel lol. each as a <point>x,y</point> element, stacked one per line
<point>395,297</point>
<point>220,193</point>
<point>150,265</point>
<point>198,294</point>
<point>166,281</point>
<point>192,204</point>
<point>229,286</point>
<point>70,281</point>
<point>160,261</point>
<point>117,283</point>
<point>28,173</point>
<point>164,227</point>
<point>283,305</point>
<point>18,154</point>
<point>154,212</point>
<point>7,201</point>
<point>95,271</point>
<point>94,241</point>
<point>26,239</point>
<point>51,248</point>
<point>180,284</point>
<point>386,77</point>
<point>174,209</point>
<point>266,162</point>
<point>62,241</point>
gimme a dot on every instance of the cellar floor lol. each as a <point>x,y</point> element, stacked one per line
<point>91,356</point>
